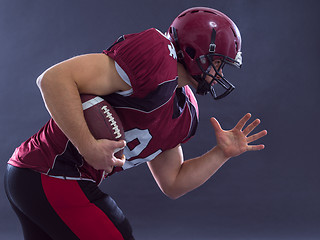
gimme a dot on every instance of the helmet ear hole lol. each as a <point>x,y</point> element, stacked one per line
<point>191,52</point>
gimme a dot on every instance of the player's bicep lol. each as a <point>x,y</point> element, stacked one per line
<point>92,73</point>
<point>96,74</point>
<point>165,168</point>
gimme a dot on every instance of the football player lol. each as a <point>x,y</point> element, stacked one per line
<point>52,178</point>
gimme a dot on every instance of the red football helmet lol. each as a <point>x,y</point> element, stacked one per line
<point>200,36</point>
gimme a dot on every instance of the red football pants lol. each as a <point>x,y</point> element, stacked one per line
<point>51,208</point>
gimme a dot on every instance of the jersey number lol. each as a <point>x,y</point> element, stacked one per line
<point>144,137</point>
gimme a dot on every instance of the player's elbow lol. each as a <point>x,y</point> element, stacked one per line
<point>39,80</point>
<point>172,189</point>
<point>43,81</point>
<point>50,80</point>
<point>173,197</point>
<point>172,193</point>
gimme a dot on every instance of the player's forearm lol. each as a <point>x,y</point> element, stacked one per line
<point>194,172</point>
<point>62,99</point>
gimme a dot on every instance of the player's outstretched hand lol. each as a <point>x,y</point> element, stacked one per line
<point>100,154</point>
<point>236,141</point>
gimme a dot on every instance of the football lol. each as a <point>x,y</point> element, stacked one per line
<point>102,119</point>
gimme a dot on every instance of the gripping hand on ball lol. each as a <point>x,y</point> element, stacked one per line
<point>100,154</point>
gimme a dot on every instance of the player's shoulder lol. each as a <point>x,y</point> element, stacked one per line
<point>150,43</point>
<point>151,33</point>
<point>156,48</point>
<point>153,40</point>
<point>148,58</point>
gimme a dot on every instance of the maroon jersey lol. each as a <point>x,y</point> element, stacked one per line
<point>155,113</point>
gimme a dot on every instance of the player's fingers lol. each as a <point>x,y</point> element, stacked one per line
<point>117,162</point>
<point>119,145</point>
<point>255,147</point>
<point>108,169</point>
<point>251,126</point>
<point>256,136</point>
<point>243,121</point>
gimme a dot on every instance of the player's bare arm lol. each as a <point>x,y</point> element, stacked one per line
<point>176,177</point>
<point>61,86</point>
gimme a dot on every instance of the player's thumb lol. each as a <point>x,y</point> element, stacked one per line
<point>119,145</point>
<point>215,124</point>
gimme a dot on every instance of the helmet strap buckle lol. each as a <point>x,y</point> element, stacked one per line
<point>212,48</point>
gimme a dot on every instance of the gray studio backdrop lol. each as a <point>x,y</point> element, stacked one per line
<point>272,194</point>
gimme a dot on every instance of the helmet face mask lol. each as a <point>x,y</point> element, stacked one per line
<point>201,36</point>
<point>218,86</point>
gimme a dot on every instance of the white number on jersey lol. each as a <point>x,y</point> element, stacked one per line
<point>144,137</point>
